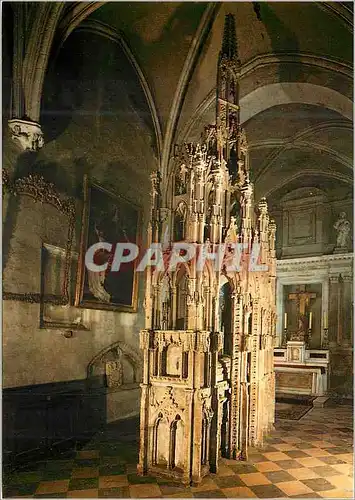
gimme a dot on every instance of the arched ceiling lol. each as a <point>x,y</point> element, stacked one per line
<point>296,77</point>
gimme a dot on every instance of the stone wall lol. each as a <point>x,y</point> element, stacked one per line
<point>95,121</point>
<point>305,221</point>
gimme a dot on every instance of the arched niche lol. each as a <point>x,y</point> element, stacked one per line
<point>205,440</point>
<point>224,428</point>
<point>177,453</point>
<point>117,367</point>
<point>165,302</point>
<point>180,221</point>
<point>160,443</point>
<point>181,297</point>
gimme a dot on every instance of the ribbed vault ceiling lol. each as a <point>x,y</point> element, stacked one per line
<point>175,47</point>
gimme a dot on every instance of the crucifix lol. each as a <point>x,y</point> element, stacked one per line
<point>302,298</point>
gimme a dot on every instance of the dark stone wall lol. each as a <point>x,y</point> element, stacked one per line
<point>96,121</point>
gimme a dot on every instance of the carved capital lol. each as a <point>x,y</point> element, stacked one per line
<point>28,134</point>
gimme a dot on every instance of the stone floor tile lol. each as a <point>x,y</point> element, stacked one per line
<point>276,456</point>
<point>267,491</point>
<point>254,479</point>
<point>342,482</point>
<point>173,489</point>
<point>289,464</point>
<point>87,483</point>
<point>292,439</point>
<point>244,468</point>
<point>145,491</point>
<point>207,484</point>
<point>303,473</point>
<point>317,452</point>
<point>20,490</point>
<point>53,487</point>
<point>323,444</point>
<point>318,484</point>
<point>115,492</point>
<point>88,454</point>
<point>326,471</point>
<point>254,458</point>
<point>224,470</point>
<point>228,481</point>
<point>209,494</point>
<point>85,472</point>
<point>94,493</point>
<point>291,488</point>
<point>346,457</point>
<point>345,469</point>
<point>309,462</point>
<point>267,466</point>
<point>239,492</point>
<point>115,481</point>
<point>186,494</point>
<point>337,493</point>
<point>285,447</point>
<point>279,476</point>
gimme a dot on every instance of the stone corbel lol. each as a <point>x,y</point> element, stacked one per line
<point>29,134</point>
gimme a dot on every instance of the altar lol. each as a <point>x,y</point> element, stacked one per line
<point>299,370</point>
<point>312,293</point>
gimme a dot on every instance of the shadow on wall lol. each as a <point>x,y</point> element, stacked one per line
<point>52,172</point>
<point>282,40</point>
<point>92,83</point>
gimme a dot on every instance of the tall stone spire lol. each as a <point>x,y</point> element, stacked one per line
<point>232,147</point>
<point>229,43</point>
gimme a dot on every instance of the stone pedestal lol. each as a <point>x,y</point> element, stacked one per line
<point>296,351</point>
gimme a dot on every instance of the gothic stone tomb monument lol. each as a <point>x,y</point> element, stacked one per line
<point>208,380</point>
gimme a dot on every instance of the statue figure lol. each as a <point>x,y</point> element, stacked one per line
<point>301,332</point>
<point>180,181</point>
<point>342,227</point>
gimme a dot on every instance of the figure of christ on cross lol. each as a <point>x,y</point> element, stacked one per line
<point>302,299</point>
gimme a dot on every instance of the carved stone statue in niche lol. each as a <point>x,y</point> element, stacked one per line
<point>235,212</point>
<point>180,180</point>
<point>343,228</point>
<point>179,222</point>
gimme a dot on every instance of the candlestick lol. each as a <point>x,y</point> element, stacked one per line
<point>284,338</point>
<point>285,321</point>
<point>325,321</point>
<point>325,340</point>
<point>310,320</point>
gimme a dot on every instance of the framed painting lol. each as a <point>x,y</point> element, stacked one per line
<point>107,217</point>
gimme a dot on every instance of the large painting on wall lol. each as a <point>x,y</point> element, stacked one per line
<point>109,218</point>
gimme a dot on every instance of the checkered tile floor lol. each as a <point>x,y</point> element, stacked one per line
<point>309,458</point>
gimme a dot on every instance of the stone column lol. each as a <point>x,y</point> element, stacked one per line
<point>173,308</point>
<point>325,306</point>
<point>280,311</point>
<point>333,310</point>
<point>144,411</point>
<point>347,308</point>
